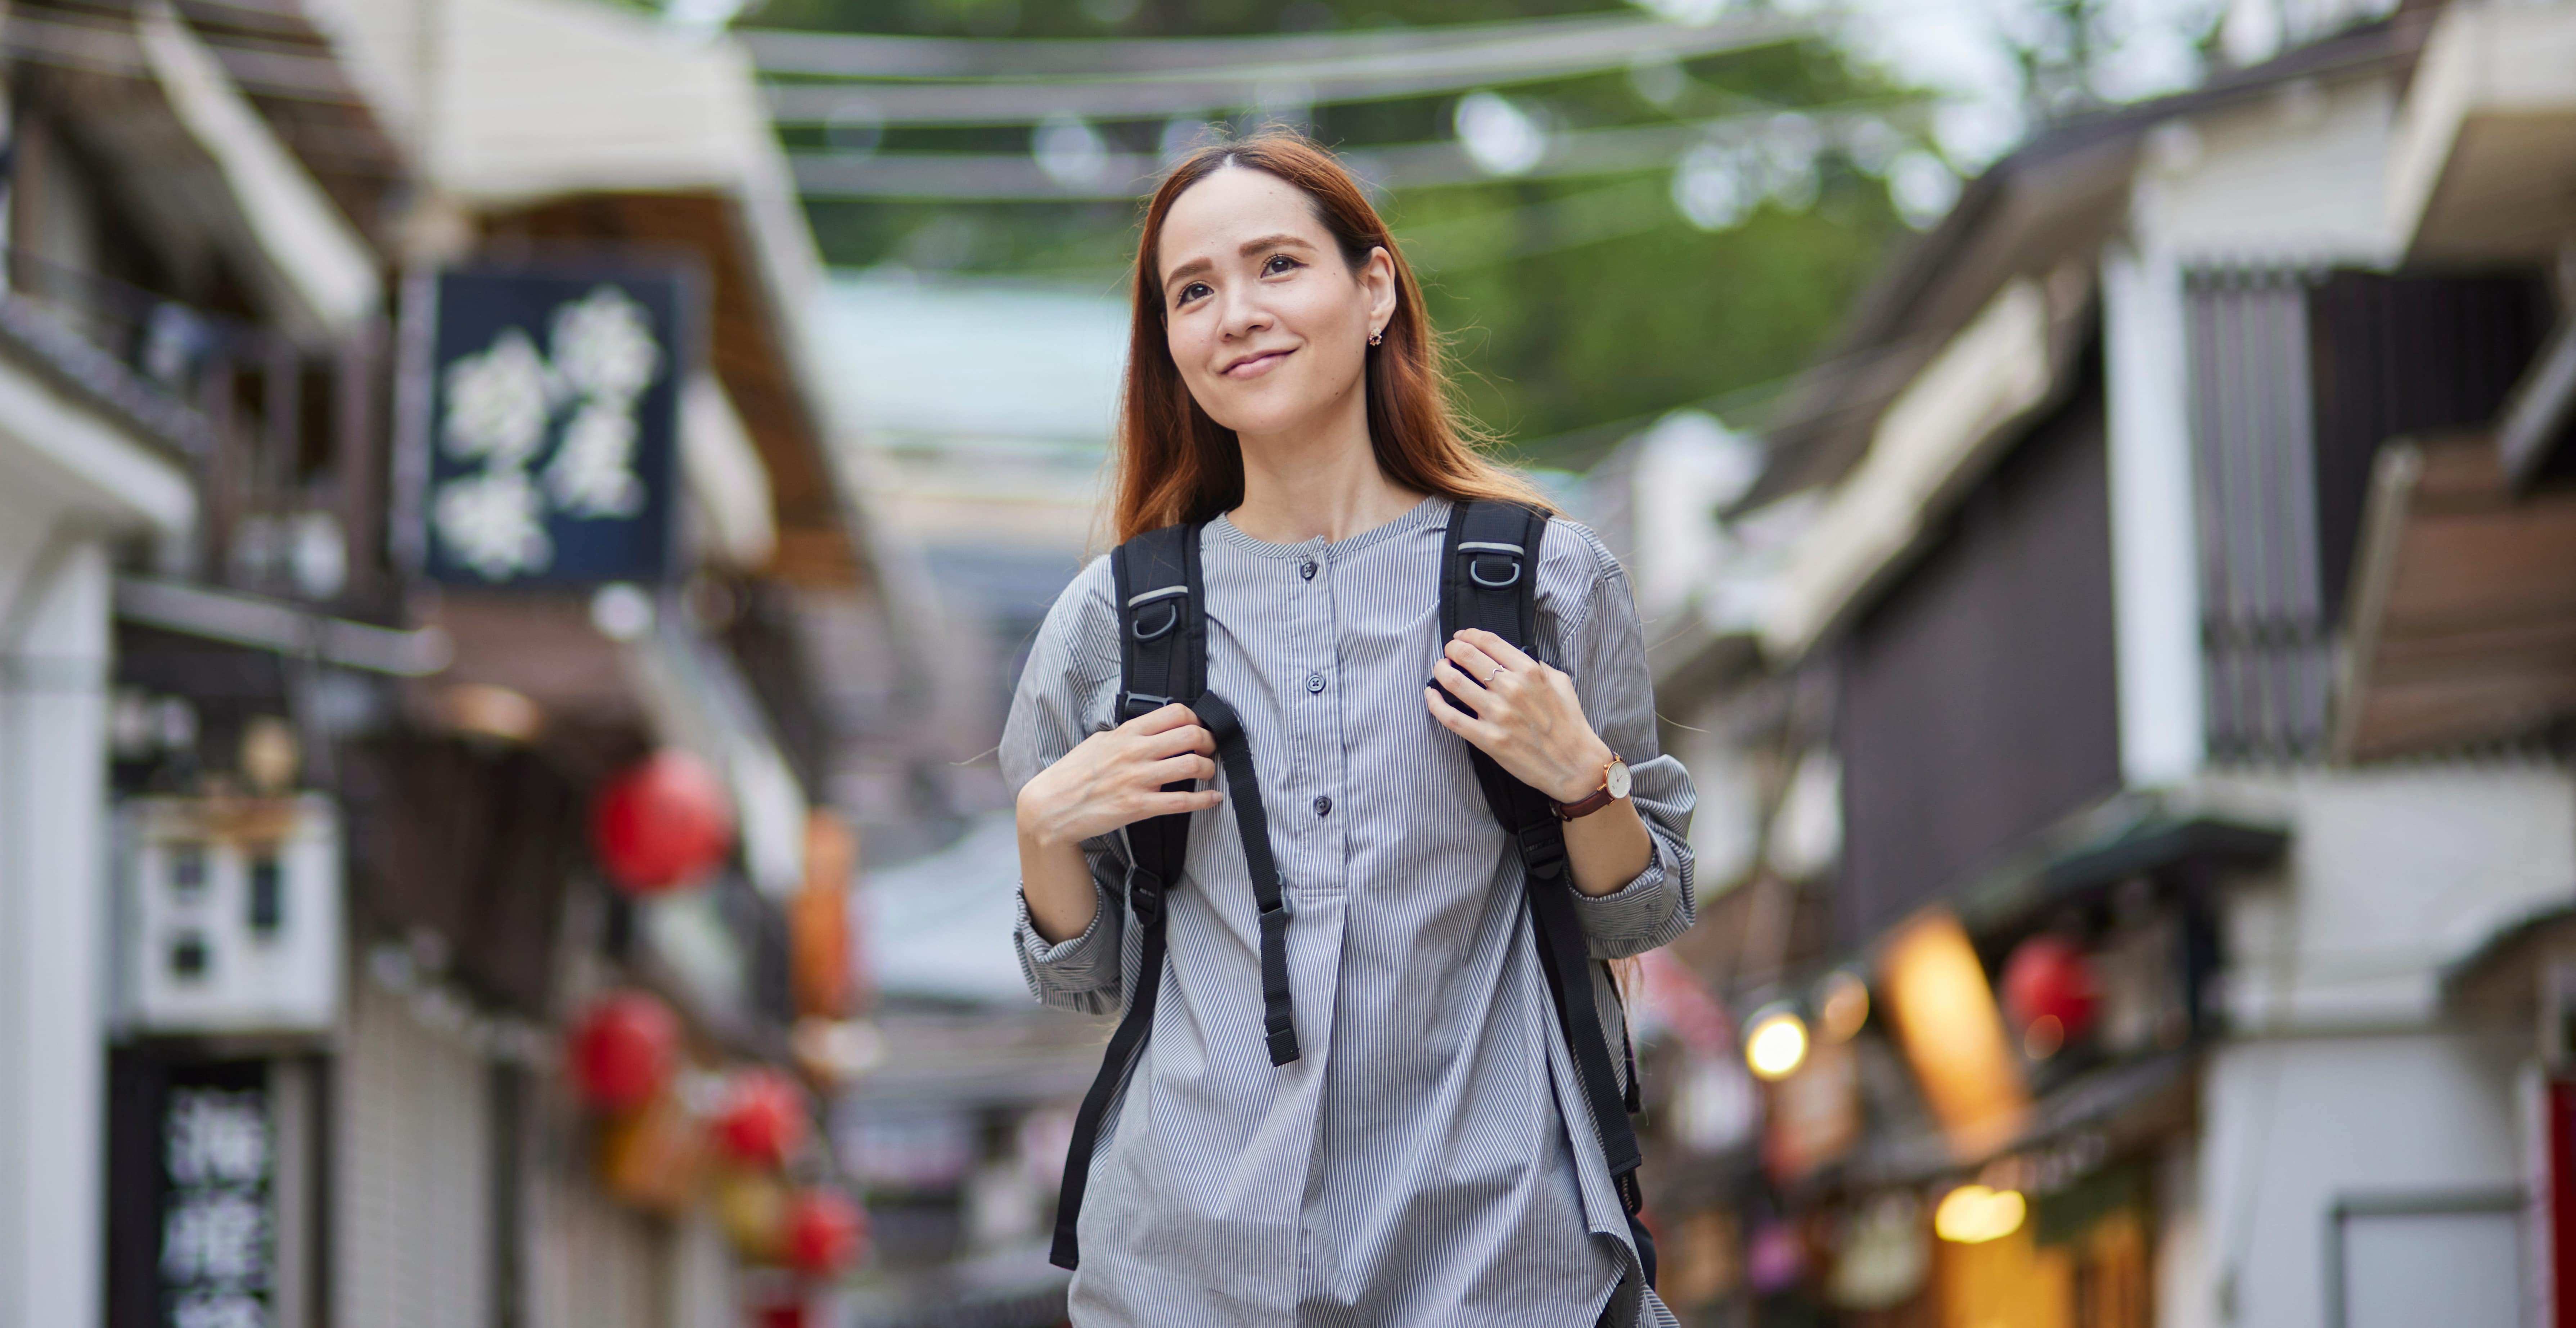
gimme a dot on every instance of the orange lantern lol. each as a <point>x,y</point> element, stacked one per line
<point>652,1157</point>
<point>818,919</point>
<point>751,1208</point>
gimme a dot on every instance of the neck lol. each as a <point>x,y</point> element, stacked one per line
<point>1319,480</point>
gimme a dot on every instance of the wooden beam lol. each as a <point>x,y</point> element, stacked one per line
<point>2536,417</point>
<point>2463,626</point>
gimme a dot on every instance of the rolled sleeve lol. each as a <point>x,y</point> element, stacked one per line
<point>1080,973</point>
<point>1063,697</point>
<point>1605,650</point>
<point>1650,910</point>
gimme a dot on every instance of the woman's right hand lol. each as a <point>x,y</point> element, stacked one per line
<point>1116,778</point>
<point>1112,779</point>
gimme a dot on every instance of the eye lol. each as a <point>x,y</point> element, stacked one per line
<point>1190,292</point>
<point>1278,263</point>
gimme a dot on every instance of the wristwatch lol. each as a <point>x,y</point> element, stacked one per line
<point>1614,786</point>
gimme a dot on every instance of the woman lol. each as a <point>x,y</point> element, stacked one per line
<point>1413,1166</point>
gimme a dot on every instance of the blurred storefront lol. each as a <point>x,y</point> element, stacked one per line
<point>419,528</point>
<point>2134,707</point>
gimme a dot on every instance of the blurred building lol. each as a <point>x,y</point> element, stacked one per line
<point>410,420</point>
<point>2134,704</point>
<point>986,408</point>
<point>983,409</point>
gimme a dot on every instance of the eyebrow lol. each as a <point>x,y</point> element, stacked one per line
<point>1196,266</point>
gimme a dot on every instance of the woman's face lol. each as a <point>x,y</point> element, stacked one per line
<point>1268,325</point>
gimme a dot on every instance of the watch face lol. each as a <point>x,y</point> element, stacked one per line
<point>1618,783</point>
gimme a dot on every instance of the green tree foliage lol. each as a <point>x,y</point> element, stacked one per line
<point>1580,308</point>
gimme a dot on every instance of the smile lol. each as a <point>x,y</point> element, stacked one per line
<point>1253,366</point>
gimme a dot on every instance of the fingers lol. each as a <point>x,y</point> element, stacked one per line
<point>1177,804</point>
<point>1458,681</point>
<point>1474,730</point>
<point>1172,770</point>
<point>1482,667</point>
<point>1167,718</point>
<point>1191,737</point>
<point>1499,650</point>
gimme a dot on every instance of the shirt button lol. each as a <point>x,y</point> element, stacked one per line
<point>1314,682</point>
<point>1307,571</point>
<point>1323,805</point>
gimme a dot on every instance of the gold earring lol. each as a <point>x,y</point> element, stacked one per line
<point>1376,337</point>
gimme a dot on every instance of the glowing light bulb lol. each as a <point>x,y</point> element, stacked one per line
<point>1974,1214</point>
<point>1777,1044</point>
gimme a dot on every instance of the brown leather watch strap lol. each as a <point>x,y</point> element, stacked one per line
<point>1585,806</point>
<point>1592,802</point>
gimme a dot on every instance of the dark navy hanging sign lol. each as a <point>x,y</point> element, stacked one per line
<point>552,397</point>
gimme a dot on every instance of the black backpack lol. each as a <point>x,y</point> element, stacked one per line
<point>1488,579</point>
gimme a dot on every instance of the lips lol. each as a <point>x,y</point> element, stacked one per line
<point>1253,365</point>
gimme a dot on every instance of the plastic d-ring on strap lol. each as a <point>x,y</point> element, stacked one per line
<point>1512,554</point>
<point>1149,626</point>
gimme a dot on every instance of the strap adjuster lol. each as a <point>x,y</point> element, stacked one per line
<point>1144,895</point>
<point>1136,705</point>
<point>1543,850</point>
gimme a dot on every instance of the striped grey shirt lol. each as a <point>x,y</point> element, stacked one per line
<point>1431,1158</point>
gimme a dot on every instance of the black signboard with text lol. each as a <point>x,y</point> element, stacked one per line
<point>543,408</point>
<point>193,1164</point>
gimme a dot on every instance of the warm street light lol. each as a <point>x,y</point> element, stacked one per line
<point>1975,1214</point>
<point>1777,1043</point>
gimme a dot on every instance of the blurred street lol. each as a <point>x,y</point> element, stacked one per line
<point>520,522</point>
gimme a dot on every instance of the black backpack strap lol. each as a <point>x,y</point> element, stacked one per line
<point>1278,1014</point>
<point>1162,651</point>
<point>1488,579</point>
<point>1162,657</point>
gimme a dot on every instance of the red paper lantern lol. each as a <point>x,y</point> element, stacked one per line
<point>763,1119</point>
<point>623,1050</point>
<point>825,1232</point>
<point>662,822</point>
<point>2050,977</point>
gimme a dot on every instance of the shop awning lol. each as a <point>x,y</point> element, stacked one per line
<point>267,624</point>
<point>2098,850</point>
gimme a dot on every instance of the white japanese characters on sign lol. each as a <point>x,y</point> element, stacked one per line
<point>215,1238</point>
<point>503,402</point>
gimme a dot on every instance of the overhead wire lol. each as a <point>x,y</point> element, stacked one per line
<point>1364,67</point>
<point>1007,177</point>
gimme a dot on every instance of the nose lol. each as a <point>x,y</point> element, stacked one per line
<point>1241,313</point>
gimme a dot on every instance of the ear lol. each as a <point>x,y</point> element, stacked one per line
<point>1377,279</point>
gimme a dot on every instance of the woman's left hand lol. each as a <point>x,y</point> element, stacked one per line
<point>1526,715</point>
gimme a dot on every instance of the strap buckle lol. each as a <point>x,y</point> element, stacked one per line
<point>1542,849</point>
<point>1145,895</point>
<point>1136,705</point>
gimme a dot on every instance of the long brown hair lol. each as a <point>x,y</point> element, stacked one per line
<point>1175,464</point>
